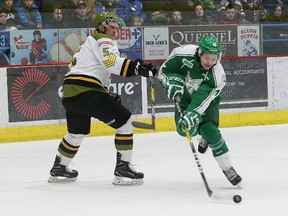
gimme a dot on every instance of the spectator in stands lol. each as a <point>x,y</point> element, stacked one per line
<point>277,32</point>
<point>237,5</point>
<point>277,16</point>
<point>207,4</point>
<point>200,16</point>
<point>159,18</point>
<point>57,19</point>
<point>269,5</point>
<point>136,21</point>
<point>30,17</point>
<point>4,25</point>
<point>69,7</point>
<point>229,16</point>
<point>17,4</point>
<point>251,9</point>
<point>80,17</point>
<point>91,8</point>
<point>125,9</point>
<point>12,14</point>
<point>110,6</point>
<point>176,18</point>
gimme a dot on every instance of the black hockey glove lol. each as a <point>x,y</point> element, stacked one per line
<point>139,67</point>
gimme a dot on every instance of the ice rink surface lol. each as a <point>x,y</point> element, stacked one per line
<point>172,184</point>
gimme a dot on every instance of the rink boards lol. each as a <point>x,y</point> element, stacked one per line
<point>30,109</point>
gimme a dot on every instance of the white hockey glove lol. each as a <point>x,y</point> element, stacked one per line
<point>174,85</point>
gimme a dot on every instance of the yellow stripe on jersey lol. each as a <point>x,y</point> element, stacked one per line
<point>110,61</point>
<point>87,79</point>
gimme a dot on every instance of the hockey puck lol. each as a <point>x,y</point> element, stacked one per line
<point>237,198</point>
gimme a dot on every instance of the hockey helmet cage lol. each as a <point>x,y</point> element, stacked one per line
<point>104,18</point>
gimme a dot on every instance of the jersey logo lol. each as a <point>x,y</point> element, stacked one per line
<point>192,84</point>
<point>187,63</point>
<point>206,76</point>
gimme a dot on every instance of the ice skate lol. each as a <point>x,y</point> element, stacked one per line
<point>125,174</point>
<point>60,173</point>
<point>232,176</point>
<point>202,146</point>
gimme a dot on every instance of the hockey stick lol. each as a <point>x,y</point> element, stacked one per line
<point>152,92</point>
<point>211,194</point>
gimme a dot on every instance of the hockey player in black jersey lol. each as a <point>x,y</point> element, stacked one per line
<point>86,95</point>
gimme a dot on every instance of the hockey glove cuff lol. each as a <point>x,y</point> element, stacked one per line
<point>174,85</point>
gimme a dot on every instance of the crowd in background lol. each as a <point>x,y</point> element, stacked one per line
<point>39,14</point>
<point>61,14</point>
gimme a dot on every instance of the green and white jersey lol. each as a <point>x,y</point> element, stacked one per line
<point>201,86</point>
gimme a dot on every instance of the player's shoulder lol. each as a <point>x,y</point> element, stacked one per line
<point>102,39</point>
<point>188,49</point>
<point>218,67</point>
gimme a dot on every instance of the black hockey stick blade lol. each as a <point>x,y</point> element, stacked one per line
<point>143,125</point>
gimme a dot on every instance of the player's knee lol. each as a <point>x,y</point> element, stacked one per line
<point>127,128</point>
<point>210,132</point>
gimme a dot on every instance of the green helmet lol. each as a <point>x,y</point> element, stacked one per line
<point>104,18</point>
<point>210,45</point>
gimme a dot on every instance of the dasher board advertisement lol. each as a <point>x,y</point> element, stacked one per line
<point>226,34</point>
<point>249,41</point>
<point>34,93</point>
<point>156,43</point>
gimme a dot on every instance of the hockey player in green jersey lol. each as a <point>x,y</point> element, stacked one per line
<point>197,76</point>
<point>86,95</point>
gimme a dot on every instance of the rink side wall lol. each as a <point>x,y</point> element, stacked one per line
<point>275,111</point>
<point>256,92</point>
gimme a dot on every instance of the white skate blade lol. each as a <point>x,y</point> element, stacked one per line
<point>59,179</point>
<point>126,181</point>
